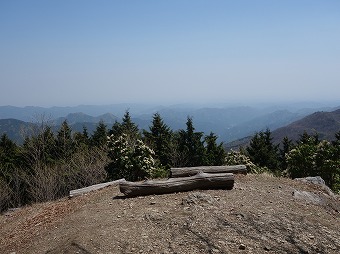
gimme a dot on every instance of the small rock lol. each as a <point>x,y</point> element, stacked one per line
<point>197,198</point>
<point>152,203</point>
<point>312,179</point>
<point>242,247</point>
<point>311,236</point>
<point>266,248</point>
<point>240,216</point>
<point>309,197</point>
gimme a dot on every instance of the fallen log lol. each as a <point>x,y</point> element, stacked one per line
<point>190,171</point>
<point>78,192</point>
<point>171,185</point>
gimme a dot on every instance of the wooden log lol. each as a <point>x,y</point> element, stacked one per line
<point>171,185</point>
<point>190,171</point>
<point>78,192</point>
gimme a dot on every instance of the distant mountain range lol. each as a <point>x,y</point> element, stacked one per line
<point>13,128</point>
<point>75,118</point>
<point>229,123</point>
<point>325,124</point>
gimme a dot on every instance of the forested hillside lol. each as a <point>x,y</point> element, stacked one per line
<point>325,124</point>
<point>49,164</point>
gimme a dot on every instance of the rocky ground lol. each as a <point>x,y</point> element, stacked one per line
<point>261,214</point>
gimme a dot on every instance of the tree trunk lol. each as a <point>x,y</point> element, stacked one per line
<point>171,185</point>
<point>190,171</point>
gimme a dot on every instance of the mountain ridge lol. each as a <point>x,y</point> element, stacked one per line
<point>229,124</point>
<point>325,124</point>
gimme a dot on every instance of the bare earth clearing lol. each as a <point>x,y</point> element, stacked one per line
<point>260,215</point>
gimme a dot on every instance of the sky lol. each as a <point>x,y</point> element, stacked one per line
<point>76,52</point>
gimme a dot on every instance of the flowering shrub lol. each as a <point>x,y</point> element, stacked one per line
<point>132,161</point>
<point>321,159</point>
<point>238,158</point>
<point>301,161</point>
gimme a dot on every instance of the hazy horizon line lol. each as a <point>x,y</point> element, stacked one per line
<point>318,103</point>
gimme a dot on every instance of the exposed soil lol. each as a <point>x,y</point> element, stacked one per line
<point>259,215</point>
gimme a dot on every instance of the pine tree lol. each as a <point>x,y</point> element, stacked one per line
<point>214,154</point>
<point>130,128</point>
<point>65,145</point>
<point>8,155</point>
<point>81,139</point>
<point>262,152</point>
<point>305,138</point>
<point>99,136</point>
<point>159,139</point>
<point>190,145</point>
<point>10,182</point>
<point>287,145</point>
<point>40,149</point>
<point>127,127</point>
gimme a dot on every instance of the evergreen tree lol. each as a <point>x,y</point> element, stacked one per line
<point>127,127</point>
<point>99,136</point>
<point>190,145</point>
<point>116,129</point>
<point>41,149</point>
<point>336,159</point>
<point>8,156</point>
<point>81,140</point>
<point>177,156</point>
<point>262,152</point>
<point>130,128</point>
<point>159,139</point>
<point>214,154</point>
<point>336,142</point>
<point>305,138</point>
<point>8,173</point>
<point>65,145</point>
<point>286,146</point>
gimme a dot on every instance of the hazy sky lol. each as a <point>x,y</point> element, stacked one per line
<point>71,52</point>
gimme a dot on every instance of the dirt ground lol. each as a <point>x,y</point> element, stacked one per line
<point>259,215</point>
